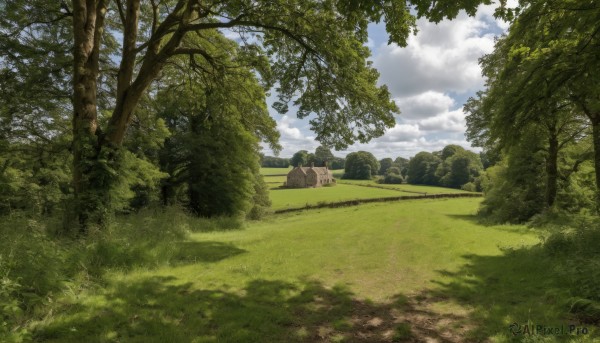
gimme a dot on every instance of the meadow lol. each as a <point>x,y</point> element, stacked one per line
<point>343,190</point>
<point>297,198</point>
<point>377,272</point>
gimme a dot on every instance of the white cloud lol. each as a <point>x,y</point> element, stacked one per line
<point>424,105</point>
<point>440,58</point>
<point>452,121</point>
<point>401,133</point>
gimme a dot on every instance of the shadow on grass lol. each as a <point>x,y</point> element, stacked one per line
<point>523,286</point>
<point>205,251</point>
<point>161,309</point>
<point>474,219</point>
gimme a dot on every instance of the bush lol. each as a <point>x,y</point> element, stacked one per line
<point>577,253</point>
<point>393,179</point>
<point>31,269</point>
<point>469,187</point>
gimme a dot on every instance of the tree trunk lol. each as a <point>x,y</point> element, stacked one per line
<point>552,169</point>
<point>596,139</point>
<point>88,22</point>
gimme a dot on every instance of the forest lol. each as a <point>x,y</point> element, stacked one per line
<point>132,138</point>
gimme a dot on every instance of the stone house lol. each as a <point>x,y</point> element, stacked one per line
<point>302,177</point>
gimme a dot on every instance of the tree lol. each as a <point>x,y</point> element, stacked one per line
<point>216,127</point>
<point>402,163</point>
<point>274,162</point>
<point>323,155</point>
<point>385,164</point>
<point>514,188</point>
<point>422,167</point>
<point>393,176</point>
<point>524,92</point>
<point>300,158</point>
<point>548,57</point>
<point>360,165</point>
<point>451,150</point>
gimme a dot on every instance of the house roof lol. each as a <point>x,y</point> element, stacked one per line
<point>318,170</point>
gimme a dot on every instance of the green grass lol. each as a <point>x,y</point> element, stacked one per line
<point>274,181</point>
<point>300,197</point>
<point>378,272</point>
<point>404,187</point>
<point>275,171</point>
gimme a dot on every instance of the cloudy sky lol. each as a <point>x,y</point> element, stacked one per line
<point>430,80</point>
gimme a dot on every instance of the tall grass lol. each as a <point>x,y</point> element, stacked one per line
<point>36,266</point>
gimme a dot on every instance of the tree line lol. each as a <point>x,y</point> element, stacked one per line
<point>539,115</point>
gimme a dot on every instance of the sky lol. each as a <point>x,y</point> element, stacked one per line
<point>430,80</point>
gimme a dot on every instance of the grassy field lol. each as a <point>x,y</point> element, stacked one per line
<point>371,273</point>
<point>275,171</point>
<point>404,187</point>
<point>295,198</point>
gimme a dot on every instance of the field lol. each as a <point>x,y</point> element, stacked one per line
<point>275,171</point>
<point>345,190</point>
<point>295,198</point>
<point>377,272</point>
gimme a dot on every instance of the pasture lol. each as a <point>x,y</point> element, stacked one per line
<point>377,272</point>
<point>296,198</point>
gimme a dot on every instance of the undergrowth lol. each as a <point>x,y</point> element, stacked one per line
<point>36,266</point>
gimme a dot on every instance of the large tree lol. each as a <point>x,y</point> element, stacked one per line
<point>545,65</point>
<point>360,165</point>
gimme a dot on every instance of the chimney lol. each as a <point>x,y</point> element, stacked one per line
<point>312,164</point>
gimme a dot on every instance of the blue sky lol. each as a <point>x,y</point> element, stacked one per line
<point>430,80</point>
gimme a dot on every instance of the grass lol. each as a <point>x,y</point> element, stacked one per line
<point>377,272</point>
<point>294,198</point>
<point>275,171</point>
<point>404,187</point>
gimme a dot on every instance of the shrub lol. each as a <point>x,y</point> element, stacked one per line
<point>393,179</point>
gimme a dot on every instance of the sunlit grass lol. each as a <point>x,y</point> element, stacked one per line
<point>326,275</point>
<point>300,197</point>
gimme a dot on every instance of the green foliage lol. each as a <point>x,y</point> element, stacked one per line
<point>579,253</point>
<point>300,158</point>
<point>212,154</point>
<point>393,179</point>
<point>360,165</point>
<point>533,79</point>
<point>514,189</point>
<point>323,155</point>
<point>459,168</point>
<point>422,168</point>
<point>274,162</point>
<point>385,164</point>
<point>260,200</point>
<point>31,269</point>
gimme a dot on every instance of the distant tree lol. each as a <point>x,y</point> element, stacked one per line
<point>422,168</point>
<point>299,158</point>
<point>360,165</point>
<point>451,150</point>
<point>338,163</point>
<point>275,162</point>
<point>402,163</point>
<point>393,176</point>
<point>384,165</point>
<point>322,155</point>
<point>393,171</point>
<point>462,167</point>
